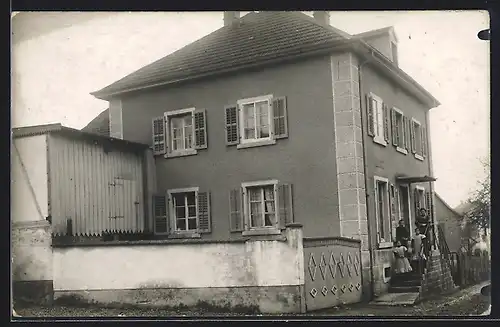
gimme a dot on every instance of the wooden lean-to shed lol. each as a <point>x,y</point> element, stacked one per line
<point>82,183</point>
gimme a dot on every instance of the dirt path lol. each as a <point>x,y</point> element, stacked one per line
<point>466,302</point>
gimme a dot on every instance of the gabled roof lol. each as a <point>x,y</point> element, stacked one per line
<point>377,32</point>
<point>257,39</point>
<point>446,204</point>
<point>27,131</point>
<point>99,125</point>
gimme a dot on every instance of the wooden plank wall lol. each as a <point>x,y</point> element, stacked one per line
<point>99,191</point>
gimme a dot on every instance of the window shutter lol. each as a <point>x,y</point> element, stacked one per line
<point>285,205</point>
<point>235,210</point>
<point>204,219</point>
<point>232,127</point>
<point>407,132</point>
<point>160,211</point>
<point>377,211</point>
<point>393,199</point>
<point>370,116</point>
<point>159,142</point>
<point>280,118</point>
<point>412,136</point>
<point>395,131</point>
<point>386,123</point>
<point>424,142</point>
<point>200,129</point>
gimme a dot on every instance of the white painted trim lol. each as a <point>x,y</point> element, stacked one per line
<point>419,157</point>
<point>386,181</point>
<point>399,111</point>
<point>256,143</point>
<point>181,153</point>
<point>376,97</point>
<point>179,112</point>
<point>259,183</point>
<point>183,190</point>
<point>401,150</point>
<point>379,140</point>
<point>240,103</point>
<point>410,222</point>
<point>421,188</point>
<point>246,216</point>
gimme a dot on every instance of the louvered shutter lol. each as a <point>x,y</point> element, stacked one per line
<point>236,210</point>
<point>280,118</point>
<point>377,212</point>
<point>394,220</point>
<point>159,142</point>
<point>407,133</point>
<point>285,204</point>
<point>232,125</point>
<point>412,136</point>
<point>370,116</point>
<point>204,218</point>
<point>395,131</point>
<point>160,211</point>
<point>424,142</point>
<point>200,129</point>
<point>386,123</point>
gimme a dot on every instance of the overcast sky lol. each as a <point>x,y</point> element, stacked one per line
<point>57,64</point>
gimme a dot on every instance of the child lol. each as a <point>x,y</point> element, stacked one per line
<point>418,250</point>
<point>402,265</point>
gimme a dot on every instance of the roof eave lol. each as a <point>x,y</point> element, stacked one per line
<point>328,49</point>
<point>416,89</point>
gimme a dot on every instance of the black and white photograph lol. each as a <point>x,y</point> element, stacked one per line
<point>227,164</point>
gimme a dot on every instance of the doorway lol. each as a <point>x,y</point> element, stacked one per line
<point>404,207</point>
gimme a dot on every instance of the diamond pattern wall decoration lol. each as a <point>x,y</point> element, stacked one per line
<point>341,265</point>
<point>356,264</point>
<point>358,286</point>
<point>324,290</point>
<point>351,287</point>
<point>349,264</point>
<point>343,288</point>
<point>322,265</point>
<point>312,266</point>
<point>334,289</point>
<point>332,264</point>
<point>313,292</point>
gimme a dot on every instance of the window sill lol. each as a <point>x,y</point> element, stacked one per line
<point>401,150</point>
<point>177,235</point>
<point>183,153</point>
<point>385,245</point>
<point>419,157</point>
<point>269,231</point>
<point>256,143</point>
<point>379,141</point>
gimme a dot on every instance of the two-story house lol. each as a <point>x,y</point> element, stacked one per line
<point>279,119</point>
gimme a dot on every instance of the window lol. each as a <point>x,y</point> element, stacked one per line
<point>378,122</point>
<point>256,121</point>
<point>182,211</point>
<point>382,212</point>
<point>399,130</point>
<point>420,197</point>
<point>418,139</point>
<point>265,207</point>
<point>180,132</point>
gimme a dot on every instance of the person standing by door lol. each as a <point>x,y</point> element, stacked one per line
<point>402,233</point>
<point>419,258</point>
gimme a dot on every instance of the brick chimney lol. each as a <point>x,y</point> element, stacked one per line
<point>230,17</point>
<point>322,17</point>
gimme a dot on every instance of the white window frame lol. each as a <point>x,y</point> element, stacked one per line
<point>378,113</point>
<point>422,190</point>
<point>400,147</point>
<point>244,143</point>
<point>263,230</point>
<point>420,144</point>
<point>383,243</point>
<point>172,213</point>
<point>168,130</point>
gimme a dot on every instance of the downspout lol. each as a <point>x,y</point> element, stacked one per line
<point>363,142</point>
<point>431,184</point>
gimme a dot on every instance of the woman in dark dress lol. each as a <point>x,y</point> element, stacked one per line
<point>402,234</point>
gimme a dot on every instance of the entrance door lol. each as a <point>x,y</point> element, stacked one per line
<point>404,207</point>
